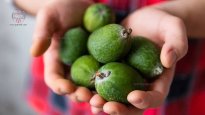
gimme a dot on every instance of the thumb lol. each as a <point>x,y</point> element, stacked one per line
<point>175,41</point>
<point>43,32</point>
<point>173,50</point>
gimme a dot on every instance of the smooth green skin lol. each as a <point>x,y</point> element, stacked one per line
<point>83,70</point>
<point>145,57</point>
<point>73,45</point>
<point>98,15</point>
<point>122,80</point>
<point>107,45</point>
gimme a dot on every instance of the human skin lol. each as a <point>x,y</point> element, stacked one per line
<point>170,24</point>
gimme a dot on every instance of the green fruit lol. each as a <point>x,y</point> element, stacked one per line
<point>109,43</point>
<point>83,70</point>
<point>145,57</point>
<point>114,81</point>
<point>98,15</point>
<point>73,45</point>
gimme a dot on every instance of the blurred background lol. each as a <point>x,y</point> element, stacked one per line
<point>15,39</point>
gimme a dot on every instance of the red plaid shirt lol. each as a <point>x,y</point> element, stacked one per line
<point>187,93</point>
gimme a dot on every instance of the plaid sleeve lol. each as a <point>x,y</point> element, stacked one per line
<point>40,97</point>
<point>44,101</point>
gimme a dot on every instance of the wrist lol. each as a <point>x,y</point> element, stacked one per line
<point>189,11</point>
<point>174,8</point>
<point>31,6</point>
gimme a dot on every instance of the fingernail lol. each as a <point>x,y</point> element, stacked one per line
<point>97,111</point>
<point>113,113</point>
<point>138,101</point>
<point>79,100</point>
<point>173,58</point>
<point>62,92</point>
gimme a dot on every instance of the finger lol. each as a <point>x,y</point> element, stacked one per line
<point>45,27</point>
<point>96,110</point>
<point>54,72</point>
<point>72,97</point>
<point>115,108</point>
<point>83,94</point>
<point>175,40</point>
<point>157,94</point>
<point>143,100</point>
<point>97,101</point>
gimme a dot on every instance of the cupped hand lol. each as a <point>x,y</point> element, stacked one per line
<point>169,33</point>
<point>139,100</point>
<point>53,20</point>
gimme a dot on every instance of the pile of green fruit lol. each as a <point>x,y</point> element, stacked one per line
<point>106,58</point>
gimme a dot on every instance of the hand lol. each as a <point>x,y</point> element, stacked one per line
<point>169,33</point>
<point>140,100</point>
<point>56,17</point>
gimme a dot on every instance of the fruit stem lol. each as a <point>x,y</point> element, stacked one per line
<point>97,74</point>
<point>101,75</point>
<point>126,33</point>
